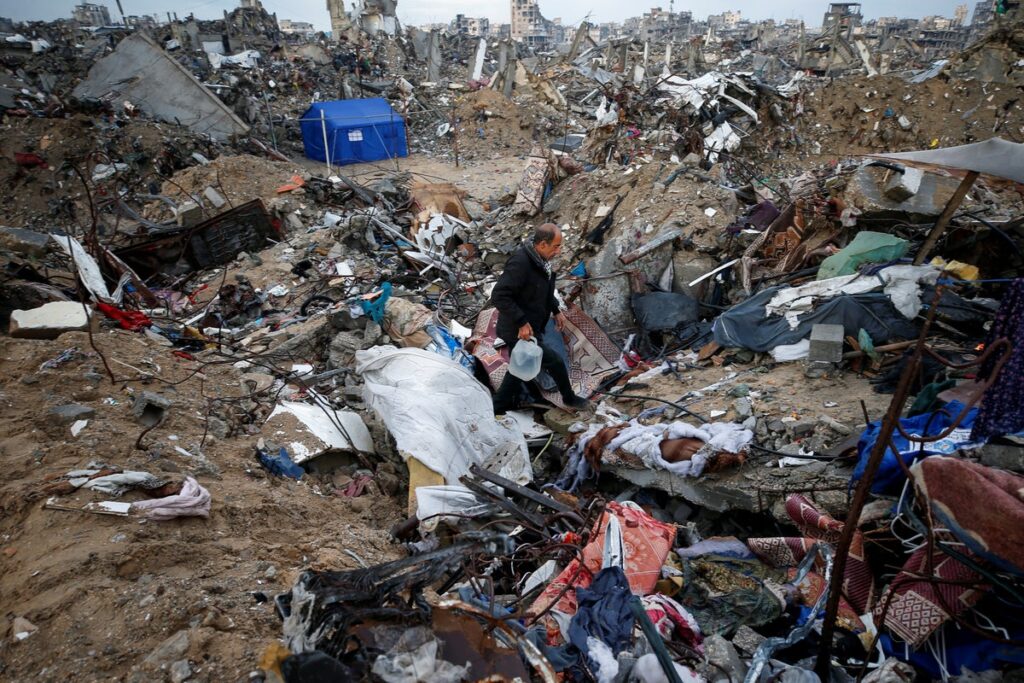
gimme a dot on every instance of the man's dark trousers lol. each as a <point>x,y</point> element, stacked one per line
<point>551,362</point>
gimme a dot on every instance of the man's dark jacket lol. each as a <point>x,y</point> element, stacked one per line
<point>525,293</point>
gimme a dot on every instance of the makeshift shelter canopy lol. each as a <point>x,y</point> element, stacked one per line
<point>352,131</point>
<point>994,157</point>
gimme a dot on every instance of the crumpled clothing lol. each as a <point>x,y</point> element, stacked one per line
<point>724,547</point>
<point>405,322</point>
<point>193,501</point>
<point>116,484</point>
<point>672,620</point>
<point>604,615</point>
<point>128,320</point>
<point>646,540</point>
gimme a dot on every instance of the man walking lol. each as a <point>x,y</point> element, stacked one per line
<point>525,299</point>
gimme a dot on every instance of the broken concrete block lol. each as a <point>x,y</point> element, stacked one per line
<point>189,214</point>
<point>170,650</point>
<point>864,191</point>
<point>826,343</point>
<point>24,242</point>
<point>214,197</point>
<point>743,408</point>
<point>835,425</point>
<point>150,409</point>
<point>309,431</point>
<point>802,427</point>
<point>903,186</point>
<point>1002,456</point>
<point>71,413</point>
<point>256,382</point>
<point>51,320</point>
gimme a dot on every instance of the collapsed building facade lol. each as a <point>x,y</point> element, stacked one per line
<point>250,350</point>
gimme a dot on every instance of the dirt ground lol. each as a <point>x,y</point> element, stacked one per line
<point>105,592</point>
<point>480,178</point>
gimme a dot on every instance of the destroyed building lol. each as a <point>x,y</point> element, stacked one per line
<point>254,320</point>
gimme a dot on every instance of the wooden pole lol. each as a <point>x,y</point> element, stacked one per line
<point>940,225</point>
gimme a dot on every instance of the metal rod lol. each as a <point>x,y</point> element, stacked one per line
<point>327,150</point>
<point>892,416</point>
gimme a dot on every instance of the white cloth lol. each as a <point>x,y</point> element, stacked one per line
<point>902,283</point>
<point>440,415</point>
<point>644,441</point>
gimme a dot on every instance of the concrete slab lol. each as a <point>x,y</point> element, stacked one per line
<point>903,186</point>
<point>51,320</point>
<point>24,242</point>
<point>753,487</point>
<point>865,192</point>
<point>141,72</point>
<point>308,431</point>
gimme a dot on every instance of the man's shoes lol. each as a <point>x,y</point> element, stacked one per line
<point>577,403</point>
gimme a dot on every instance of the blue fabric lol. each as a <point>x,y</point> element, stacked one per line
<point>281,464</point>
<point>604,613</point>
<point>357,130</point>
<point>375,308</point>
<point>444,344</point>
<point>890,475</point>
<point>963,649</point>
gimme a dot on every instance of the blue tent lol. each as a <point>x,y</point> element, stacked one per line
<point>357,130</point>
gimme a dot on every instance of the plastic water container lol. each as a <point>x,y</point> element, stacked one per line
<point>524,362</point>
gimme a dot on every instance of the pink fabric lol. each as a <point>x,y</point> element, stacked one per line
<point>646,541</point>
<point>671,619</point>
<point>193,501</point>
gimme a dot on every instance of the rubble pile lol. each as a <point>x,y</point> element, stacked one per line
<point>256,311</point>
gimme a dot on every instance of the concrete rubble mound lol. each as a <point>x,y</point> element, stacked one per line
<point>674,350</point>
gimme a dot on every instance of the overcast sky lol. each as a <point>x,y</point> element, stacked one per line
<point>415,12</point>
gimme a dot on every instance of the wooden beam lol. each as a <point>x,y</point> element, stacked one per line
<point>940,225</point>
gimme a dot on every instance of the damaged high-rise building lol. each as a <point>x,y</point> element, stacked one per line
<point>528,25</point>
<point>369,16</point>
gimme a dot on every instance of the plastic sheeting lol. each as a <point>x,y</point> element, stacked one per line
<point>866,247</point>
<point>747,326</point>
<point>440,415</point>
<point>901,283</point>
<point>664,311</point>
<point>890,474</point>
<point>994,157</point>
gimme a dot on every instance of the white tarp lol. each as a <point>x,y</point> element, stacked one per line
<point>439,414</point>
<point>995,157</point>
<point>247,59</point>
<point>435,503</point>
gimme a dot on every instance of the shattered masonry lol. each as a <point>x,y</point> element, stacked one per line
<point>255,314</point>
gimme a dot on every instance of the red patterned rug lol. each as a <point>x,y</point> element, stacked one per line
<point>591,352</point>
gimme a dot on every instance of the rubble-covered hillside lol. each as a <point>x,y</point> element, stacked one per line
<point>254,283</point>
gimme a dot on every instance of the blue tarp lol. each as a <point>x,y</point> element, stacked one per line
<point>890,474</point>
<point>357,130</point>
